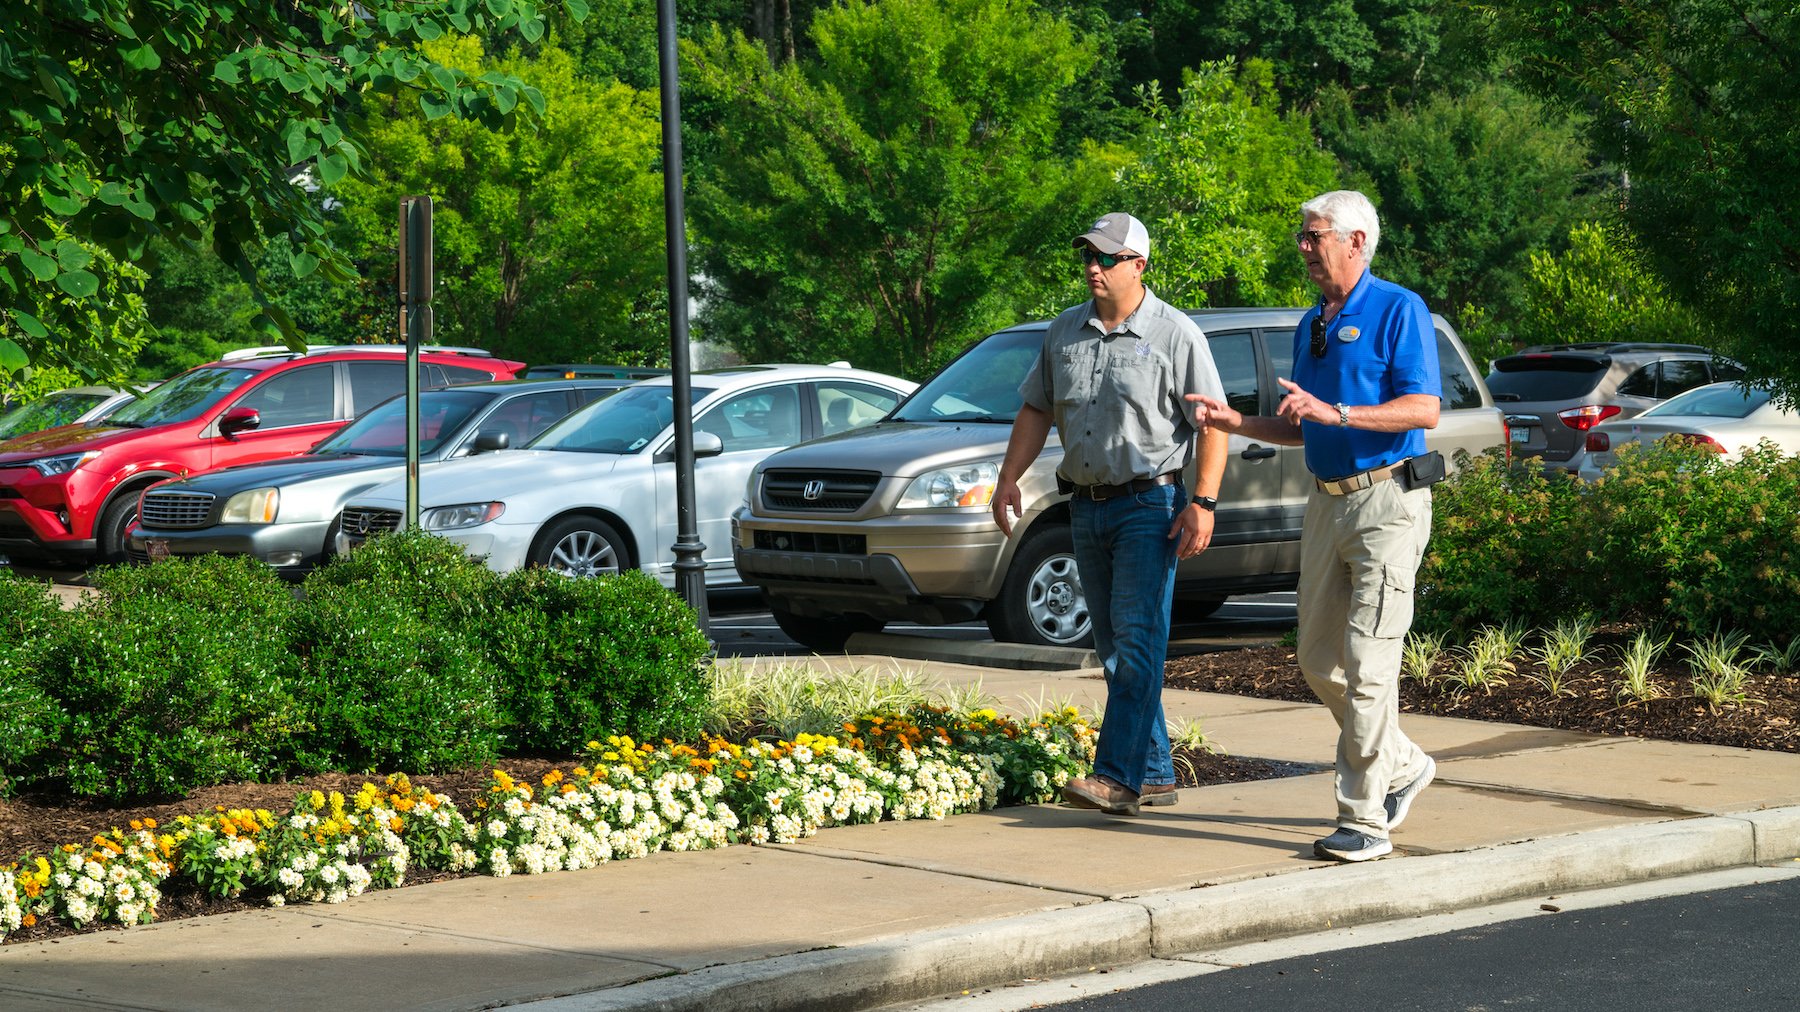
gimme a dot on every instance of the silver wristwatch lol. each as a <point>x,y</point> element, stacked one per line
<point>1343,415</point>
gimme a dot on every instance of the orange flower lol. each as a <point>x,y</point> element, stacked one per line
<point>29,920</point>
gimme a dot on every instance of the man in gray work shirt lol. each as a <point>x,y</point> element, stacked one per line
<point>1111,377</point>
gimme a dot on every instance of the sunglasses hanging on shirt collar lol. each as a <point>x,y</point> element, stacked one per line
<point>1319,327</point>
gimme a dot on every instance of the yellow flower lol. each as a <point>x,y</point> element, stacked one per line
<point>318,799</point>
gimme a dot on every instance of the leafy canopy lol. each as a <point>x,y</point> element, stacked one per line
<point>132,119</point>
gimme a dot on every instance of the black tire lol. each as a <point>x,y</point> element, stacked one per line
<point>109,534</point>
<point>1041,602</point>
<point>825,634</point>
<point>1193,609</point>
<point>581,547</point>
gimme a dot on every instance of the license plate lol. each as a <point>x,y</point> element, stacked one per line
<point>156,548</point>
<point>1520,435</point>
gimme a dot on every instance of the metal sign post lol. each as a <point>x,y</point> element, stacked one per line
<point>415,328</point>
<point>690,562</point>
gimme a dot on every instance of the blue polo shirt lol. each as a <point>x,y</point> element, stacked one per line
<point>1382,345</point>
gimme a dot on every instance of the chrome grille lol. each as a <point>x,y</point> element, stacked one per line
<point>360,522</point>
<point>176,510</point>
<point>821,491</point>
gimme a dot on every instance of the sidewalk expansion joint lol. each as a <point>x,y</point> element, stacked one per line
<point>859,857</point>
<point>1635,804</point>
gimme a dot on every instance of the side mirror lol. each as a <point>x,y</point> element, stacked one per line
<point>707,444</point>
<point>487,442</point>
<point>239,420</point>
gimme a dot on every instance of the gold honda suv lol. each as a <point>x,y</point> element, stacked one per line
<point>891,522</point>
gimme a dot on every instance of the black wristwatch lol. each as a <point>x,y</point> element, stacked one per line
<point>1206,502</point>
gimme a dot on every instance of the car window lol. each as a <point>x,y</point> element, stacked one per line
<point>523,418</point>
<point>981,385</point>
<point>182,399</point>
<point>374,382</point>
<point>1641,383</point>
<point>1234,353</point>
<point>626,422</point>
<point>1459,387</point>
<point>756,420</point>
<point>845,406</point>
<point>454,374</point>
<point>1544,378</point>
<point>1720,401</point>
<point>296,397</point>
<point>1679,375</point>
<point>381,431</point>
<point>1724,369</point>
<point>53,410</point>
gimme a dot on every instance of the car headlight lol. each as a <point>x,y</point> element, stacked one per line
<point>254,506</point>
<point>48,466</point>
<point>963,485</point>
<point>451,518</point>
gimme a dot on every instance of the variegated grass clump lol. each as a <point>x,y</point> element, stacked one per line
<point>1637,663</point>
<point>1564,646</point>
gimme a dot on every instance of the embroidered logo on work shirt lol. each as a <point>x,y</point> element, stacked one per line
<point>1143,349</point>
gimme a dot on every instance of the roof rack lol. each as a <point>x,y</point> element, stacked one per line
<point>323,349</point>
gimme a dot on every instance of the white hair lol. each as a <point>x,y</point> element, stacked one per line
<point>1348,211</point>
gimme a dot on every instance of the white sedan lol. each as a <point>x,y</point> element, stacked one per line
<point>1723,417</point>
<point>595,493</point>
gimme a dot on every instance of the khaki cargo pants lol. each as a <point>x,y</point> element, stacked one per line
<point>1359,555</point>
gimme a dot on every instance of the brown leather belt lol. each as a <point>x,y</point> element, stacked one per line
<point>1100,493</point>
<point>1358,482</point>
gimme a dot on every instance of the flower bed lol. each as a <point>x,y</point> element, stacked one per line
<point>626,799</point>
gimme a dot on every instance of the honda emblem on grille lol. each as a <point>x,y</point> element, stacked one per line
<point>813,490</point>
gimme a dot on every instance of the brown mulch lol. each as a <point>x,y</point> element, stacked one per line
<point>1770,719</point>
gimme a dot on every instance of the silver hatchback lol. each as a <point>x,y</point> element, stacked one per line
<point>891,523</point>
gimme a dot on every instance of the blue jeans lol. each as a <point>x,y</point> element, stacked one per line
<point>1127,564</point>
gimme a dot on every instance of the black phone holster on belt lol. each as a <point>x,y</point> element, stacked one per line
<point>1424,470</point>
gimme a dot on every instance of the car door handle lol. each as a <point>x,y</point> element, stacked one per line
<point>1258,453</point>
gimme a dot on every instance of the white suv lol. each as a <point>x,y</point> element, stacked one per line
<point>848,533</point>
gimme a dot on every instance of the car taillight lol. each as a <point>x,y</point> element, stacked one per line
<point>1696,439</point>
<point>1587,416</point>
<point>1598,442</point>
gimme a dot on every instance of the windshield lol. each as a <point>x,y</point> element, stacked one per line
<point>1720,400</point>
<point>182,399</point>
<point>626,422</point>
<point>381,431</point>
<point>55,409</point>
<point>982,385</point>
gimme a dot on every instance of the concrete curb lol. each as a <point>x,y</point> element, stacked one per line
<point>1123,931</point>
<point>986,653</point>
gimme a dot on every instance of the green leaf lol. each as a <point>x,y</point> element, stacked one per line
<point>79,284</point>
<point>41,267</point>
<point>578,9</point>
<point>29,324</point>
<point>461,22</point>
<point>444,76</point>
<point>13,357</point>
<point>435,106</point>
<point>332,168</point>
<point>304,263</point>
<point>532,30</point>
<point>536,99</point>
<point>427,30</point>
<point>294,82</point>
<point>61,203</point>
<point>71,256</point>
<point>228,71</point>
<point>141,57</point>
<point>352,56</point>
<point>301,144</point>
<point>499,8</point>
<point>505,98</point>
<point>112,194</point>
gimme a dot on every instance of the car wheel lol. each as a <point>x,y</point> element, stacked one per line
<point>1193,609</point>
<point>1041,601</point>
<point>581,546</point>
<point>109,536</point>
<point>826,634</point>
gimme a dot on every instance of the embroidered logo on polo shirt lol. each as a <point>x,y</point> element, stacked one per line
<point>1348,333</point>
<point>1142,348</point>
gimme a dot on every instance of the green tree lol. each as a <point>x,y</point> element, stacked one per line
<point>549,243</point>
<point>898,196</point>
<point>132,119</point>
<point>1600,289</point>
<point>1696,102</point>
<point>1468,187</point>
<point>1219,182</point>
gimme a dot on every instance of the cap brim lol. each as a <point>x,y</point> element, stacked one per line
<point>1099,242</point>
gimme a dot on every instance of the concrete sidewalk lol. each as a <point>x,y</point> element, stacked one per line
<point>863,916</point>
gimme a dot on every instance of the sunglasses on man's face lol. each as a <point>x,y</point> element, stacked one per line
<point>1107,261</point>
<point>1319,343</point>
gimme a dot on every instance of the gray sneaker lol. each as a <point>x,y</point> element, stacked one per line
<point>1351,845</point>
<point>1400,802</point>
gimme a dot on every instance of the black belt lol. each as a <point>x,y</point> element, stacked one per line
<point>1099,493</point>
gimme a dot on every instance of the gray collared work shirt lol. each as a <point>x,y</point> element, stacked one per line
<point>1116,398</point>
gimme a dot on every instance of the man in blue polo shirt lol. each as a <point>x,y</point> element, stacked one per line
<point>1365,389</point>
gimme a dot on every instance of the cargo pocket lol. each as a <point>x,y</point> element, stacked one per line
<point>1395,613</point>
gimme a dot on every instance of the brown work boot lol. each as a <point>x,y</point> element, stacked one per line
<point>1158,794</point>
<point>1104,793</point>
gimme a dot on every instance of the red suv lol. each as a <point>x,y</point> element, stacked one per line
<point>67,495</point>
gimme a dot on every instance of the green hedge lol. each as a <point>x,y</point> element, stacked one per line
<point>1674,535</point>
<point>406,655</point>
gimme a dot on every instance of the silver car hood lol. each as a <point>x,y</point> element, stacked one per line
<point>903,449</point>
<point>281,473</point>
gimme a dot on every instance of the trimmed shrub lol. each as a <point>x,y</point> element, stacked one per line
<point>387,690</point>
<point>431,577</point>
<point>583,658</point>
<point>174,676</point>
